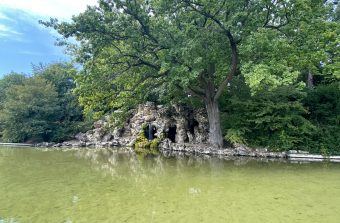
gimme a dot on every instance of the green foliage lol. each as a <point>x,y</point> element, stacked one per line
<point>155,143</point>
<point>173,51</point>
<point>323,102</point>
<point>70,114</point>
<point>29,111</point>
<point>236,135</point>
<point>284,118</point>
<point>263,77</point>
<point>7,81</point>
<point>41,107</point>
<point>141,141</point>
<point>143,145</point>
<point>134,51</point>
<point>274,119</point>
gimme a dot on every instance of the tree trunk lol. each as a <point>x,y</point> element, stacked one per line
<point>215,133</point>
<point>310,81</point>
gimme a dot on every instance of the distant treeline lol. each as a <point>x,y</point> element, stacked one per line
<point>40,107</point>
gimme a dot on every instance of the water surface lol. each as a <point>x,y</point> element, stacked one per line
<point>116,185</point>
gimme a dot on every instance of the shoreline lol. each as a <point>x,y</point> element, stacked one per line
<point>243,151</point>
<point>167,147</point>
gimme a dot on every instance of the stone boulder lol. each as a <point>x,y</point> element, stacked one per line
<point>98,124</point>
<point>107,137</point>
<point>81,137</point>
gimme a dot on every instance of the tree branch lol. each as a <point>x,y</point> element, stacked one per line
<point>273,26</point>
<point>145,28</point>
<point>193,92</point>
<point>143,79</point>
<point>143,62</point>
<point>196,92</point>
<point>233,46</point>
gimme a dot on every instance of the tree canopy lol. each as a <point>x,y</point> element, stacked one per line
<point>29,110</point>
<point>40,107</point>
<point>173,51</point>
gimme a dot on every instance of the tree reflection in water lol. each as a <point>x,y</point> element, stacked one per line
<point>124,164</point>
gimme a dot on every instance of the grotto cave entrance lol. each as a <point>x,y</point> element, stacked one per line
<point>171,134</point>
<point>150,132</point>
<point>192,124</point>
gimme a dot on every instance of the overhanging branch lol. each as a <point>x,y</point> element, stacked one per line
<point>232,43</point>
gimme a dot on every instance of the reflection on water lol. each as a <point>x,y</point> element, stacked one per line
<point>8,220</point>
<point>123,164</point>
<point>117,185</point>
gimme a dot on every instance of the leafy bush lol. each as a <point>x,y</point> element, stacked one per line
<point>274,119</point>
<point>323,103</point>
<point>285,118</point>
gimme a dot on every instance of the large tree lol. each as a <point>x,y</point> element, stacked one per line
<point>41,106</point>
<point>70,119</point>
<point>29,111</point>
<point>176,48</point>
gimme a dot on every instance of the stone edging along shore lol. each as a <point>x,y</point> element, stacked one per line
<point>238,150</point>
<point>241,150</point>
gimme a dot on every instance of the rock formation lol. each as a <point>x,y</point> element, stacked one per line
<point>171,124</point>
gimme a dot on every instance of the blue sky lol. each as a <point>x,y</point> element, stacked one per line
<point>23,41</point>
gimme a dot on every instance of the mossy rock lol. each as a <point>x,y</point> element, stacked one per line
<point>143,145</point>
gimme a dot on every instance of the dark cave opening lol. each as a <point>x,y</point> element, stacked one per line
<point>192,124</point>
<point>150,131</point>
<point>171,134</point>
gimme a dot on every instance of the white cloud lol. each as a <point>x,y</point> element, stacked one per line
<point>61,9</point>
<point>30,53</point>
<point>5,17</point>
<point>6,31</point>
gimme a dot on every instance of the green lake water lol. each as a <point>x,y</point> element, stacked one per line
<point>116,185</point>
